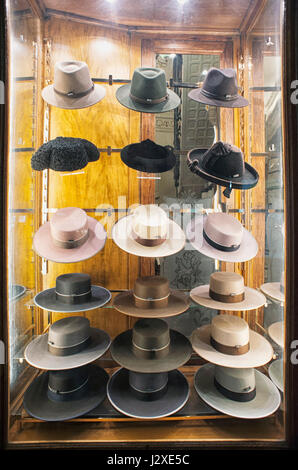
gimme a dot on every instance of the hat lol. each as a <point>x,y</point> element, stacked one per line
<point>64,154</point>
<point>223,164</point>
<point>72,87</point>
<point>148,157</point>
<point>226,291</point>
<point>66,394</point>
<point>241,393</point>
<point>275,290</point>
<point>73,293</point>
<point>221,236</point>
<point>16,291</point>
<point>148,92</point>
<point>219,89</point>
<point>275,331</point>
<point>69,236</point>
<point>229,342</point>
<point>151,347</point>
<point>151,297</point>
<point>148,232</point>
<point>147,396</point>
<point>70,343</point>
<point>275,371</point>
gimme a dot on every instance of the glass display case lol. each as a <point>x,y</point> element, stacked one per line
<point>176,252</point>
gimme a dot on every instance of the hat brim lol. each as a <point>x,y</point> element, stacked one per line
<point>47,301</point>
<point>122,398</point>
<point>266,401</point>
<point>253,299</point>
<point>16,292</point>
<point>248,180</point>
<point>197,95</point>
<point>125,303</point>
<point>123,96</point>
<point>44,246</point>
<point>275,371</point>
<point>65,102</point>
<point>178,354</point>
<point>247,250</point>
<point>121,234</point>
<point>260,350</point>
<point>275,331</point>
<point>37,403</point>
<point>38,355</point>
<point>272,290</point>
<point>148,165</point>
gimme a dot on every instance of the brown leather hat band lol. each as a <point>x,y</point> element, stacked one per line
<point>72,94</point>
<point>68,244</point>
<point>146,241</point>
<point>229,299</point>
<point>230,350</point>
<point>149,100</point>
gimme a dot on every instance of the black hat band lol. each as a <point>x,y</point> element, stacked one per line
<point>69,350</point>
<point>156,353</point>
<point>149,101</point>
<point>209,94</point>
<point>57,395</point>
<point>217,246</point>
<point>235,396</point>
<point>73,298</point>
<point>72,94</point>
<point>68,244</point>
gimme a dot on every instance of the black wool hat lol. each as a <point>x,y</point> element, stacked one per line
<point>149,157</point>
<point>64,154</point>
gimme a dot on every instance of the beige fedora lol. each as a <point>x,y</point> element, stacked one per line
<point>276,332</point>
<point>229,342</point>
<point>226,291</point>
<point>148,232</point>
<point>72,87</point>
<point>275,290</point>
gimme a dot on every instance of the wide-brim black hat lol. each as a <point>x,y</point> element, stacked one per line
<point>148,157</point>
<point>123,96</point>
<point>122,397</point>
<point>38,404</point>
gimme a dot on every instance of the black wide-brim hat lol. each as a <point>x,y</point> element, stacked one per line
<point>39,405</point>
<point>124,400</point>
<point>123,96</point>
<point>248,180</point>
<point>148,157</point>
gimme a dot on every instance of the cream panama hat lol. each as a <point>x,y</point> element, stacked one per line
<point>275,290</point>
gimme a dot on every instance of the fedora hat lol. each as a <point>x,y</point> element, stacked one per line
<point>151,347</point>
<point>147,396</point>
<point>275,290</point>
<point>149,157</point>
<point>66,394</point>
<point>223,164</point>
<point>151,297</point>
<point>276,372</point>
<point>73,293</point>
<point>70,343</point>
<point>276,332</point>
<point>64,154</point>
<point>221,236</point>
<point>72,87</point>
<point>241,393</point>
<point>148,232</point>
<point>69,236</point>
<point>226,291</point>
<point>219,89</point>
<point>229,342</point>
<point>148,92</point>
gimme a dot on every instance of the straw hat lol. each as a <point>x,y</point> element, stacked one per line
<point>276,332</point>
<point>275,290</point>
<point>275,371</point>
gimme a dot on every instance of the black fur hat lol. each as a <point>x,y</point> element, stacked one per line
<point>64,154</point>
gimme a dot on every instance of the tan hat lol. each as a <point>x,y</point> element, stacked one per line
<point>229,342</point>
<point>226,291</point>
<point>151,297</point>
<point>72,87</point>
<point>275,290</point>
<point>148,232</point>
<point>276,332</point>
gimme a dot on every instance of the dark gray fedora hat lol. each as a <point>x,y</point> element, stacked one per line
<point>66,394</point>
<point>151,347</point>
<point>149,157</point>
<point>148,92</point>
<point>223,164</point>
<point>219,89</point>
<point>147,396</point>
<point>73,293</point>
<point>70,343</point>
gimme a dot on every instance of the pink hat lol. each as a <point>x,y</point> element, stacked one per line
<point>69,236</point>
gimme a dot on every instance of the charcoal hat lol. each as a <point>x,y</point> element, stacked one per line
<point>151,347</point>
<point>149,157</point>
<point>219,89</point>
<point>147,396</point>
<point>66,394</point>
<point>73,293</point>
<point>223,164</point>
<point>148,92</point>
<point>64,154</point>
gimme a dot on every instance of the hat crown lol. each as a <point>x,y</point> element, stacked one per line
<point>67,381</point>
<point>221,83</point>
<point>236,380</point>
<point>151,287</point>
<point>150,222</point>
<point>69,224</point>
<point>229,330</point>
<point>224,160</point>
<point>150,334</point>
<point>226,283</point>
<point>223,229</point>
<point>69,332</point>
<point>148,83</point>
<point>146,382</point>
<point>73,283</point>
<point>72,77</point>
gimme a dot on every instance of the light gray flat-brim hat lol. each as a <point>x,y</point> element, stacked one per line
<point>266,401</point>
<point>276,332</point>
<point>253,299</point>
<point>272,290</point>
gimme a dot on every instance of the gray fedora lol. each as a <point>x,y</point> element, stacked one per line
<point>73,293</point>
<point>147,396</point>
<point>66,394</point>
<point>148,92</point>
<point>70,343</point>
<point>151,347</point>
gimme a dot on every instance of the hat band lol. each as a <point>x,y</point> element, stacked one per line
<point>149,100</point>
<point>68,244</point>
<point>69,350</point>
<point>72,94</point>
<point>217,246</point>
<point>235,396</point>
<point>236,350</point>
<point>227,298</point>
<point>150,302</point>
<point>209,94</point>
<point>147,241</point>
<point>152,353</point>
<point>73,298</point>
<point>149,396</point>
<point>64,396</point>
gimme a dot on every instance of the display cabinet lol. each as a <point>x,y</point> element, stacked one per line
<point>249,44</point>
